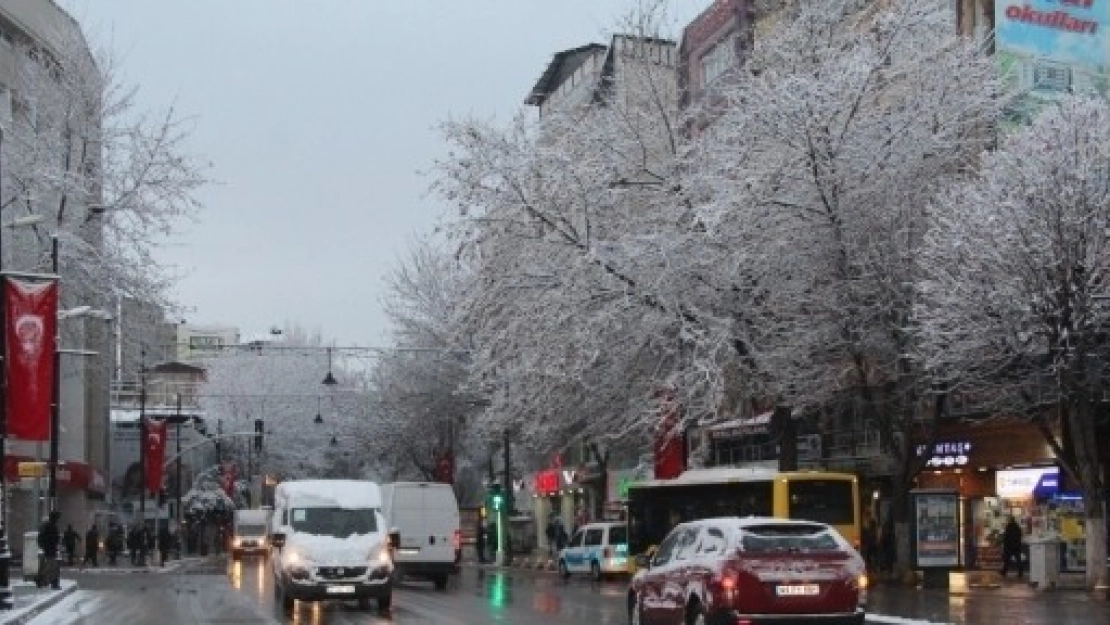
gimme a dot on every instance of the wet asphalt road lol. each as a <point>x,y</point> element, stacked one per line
<point>217,592</point>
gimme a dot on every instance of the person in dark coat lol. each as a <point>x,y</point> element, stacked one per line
<point>133,538</point>
<point>115,543</point>
<point>1011,548</point>
<point>49,539</point>
<point>480,542</point>
<point>92,546</point>
<point>70,538</point>
<point>165,541</point>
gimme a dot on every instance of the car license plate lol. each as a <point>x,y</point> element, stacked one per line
<point>797,590</point>
<point>341,590</point>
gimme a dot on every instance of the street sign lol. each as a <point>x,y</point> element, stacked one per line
<point>32,469</point>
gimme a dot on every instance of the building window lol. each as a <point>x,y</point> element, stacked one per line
<point>720,58</point>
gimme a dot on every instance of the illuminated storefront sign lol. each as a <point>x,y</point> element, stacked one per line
<point>1023,483</point>
<point>946,454</point>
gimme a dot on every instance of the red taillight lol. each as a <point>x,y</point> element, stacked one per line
<point>458,539</point>
<point>729,580</point>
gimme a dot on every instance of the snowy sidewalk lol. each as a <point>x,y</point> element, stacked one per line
<point>30,600</point>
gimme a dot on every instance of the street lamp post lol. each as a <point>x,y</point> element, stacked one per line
<point>55,398</point>
<point>5,551</point>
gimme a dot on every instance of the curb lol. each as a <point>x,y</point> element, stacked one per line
<point>42,606</point>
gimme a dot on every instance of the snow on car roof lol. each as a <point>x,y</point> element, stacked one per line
<point>350,494</point>
<point>754,521</point>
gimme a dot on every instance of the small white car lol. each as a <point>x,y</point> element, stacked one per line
<point>598,549</point>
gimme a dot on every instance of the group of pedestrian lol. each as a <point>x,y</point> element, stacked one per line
<point>143,543</point>
<point>140,541</point>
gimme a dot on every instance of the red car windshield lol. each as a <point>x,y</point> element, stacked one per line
<point>787,538</point>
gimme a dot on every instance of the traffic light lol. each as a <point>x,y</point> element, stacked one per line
<point>258,435</point>
<point>496,497</point>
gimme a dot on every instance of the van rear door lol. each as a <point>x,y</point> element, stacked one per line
<point>427,517</point>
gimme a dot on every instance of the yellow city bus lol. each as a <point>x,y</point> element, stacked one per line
<point>656,506</point>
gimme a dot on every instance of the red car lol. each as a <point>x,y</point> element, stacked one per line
<point>750,571</point>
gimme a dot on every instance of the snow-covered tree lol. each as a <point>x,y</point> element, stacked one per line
<point>1014,304</point>
<point>845,120</point>
<point>207,499</point>
<point>280,383</point>
<point>571,336</point>
<point>110,180</point>
<point>423,406</point>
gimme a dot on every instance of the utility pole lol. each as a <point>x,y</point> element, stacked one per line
<point>142,448</point>
<point>55,400</point>
<point>177,495</point>
<point>510,500</point>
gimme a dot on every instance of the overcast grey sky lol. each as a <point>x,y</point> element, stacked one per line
<point>319,117</point>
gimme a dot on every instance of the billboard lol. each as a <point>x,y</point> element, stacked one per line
<point>1048,47</point>
<point>936,529</point>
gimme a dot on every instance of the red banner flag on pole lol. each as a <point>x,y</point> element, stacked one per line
<point>670,444</point>
<point>230,474</point>
<point>30,326</point>
<point>155,453</point>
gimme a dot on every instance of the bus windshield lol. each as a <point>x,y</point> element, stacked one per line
<point>824,501</point>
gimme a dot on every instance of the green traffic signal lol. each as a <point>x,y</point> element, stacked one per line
<point>497,501</point>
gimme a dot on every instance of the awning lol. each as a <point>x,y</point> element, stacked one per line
<point>71,474</point>
<point>739,428</point>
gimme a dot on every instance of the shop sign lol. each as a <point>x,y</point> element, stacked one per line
<point>946,454</point>
<point>1023,483</point>
<point>546,482</point>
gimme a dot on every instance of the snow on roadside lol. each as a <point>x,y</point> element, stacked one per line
<point>76,608</point>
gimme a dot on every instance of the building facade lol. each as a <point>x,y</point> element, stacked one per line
<point>34,34</point>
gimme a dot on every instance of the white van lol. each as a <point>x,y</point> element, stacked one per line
<point>423,519</point>
<point>249,533</point>
<point>330,543</point>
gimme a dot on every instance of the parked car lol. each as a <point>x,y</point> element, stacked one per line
<point>596,548</point>
<point>749,571</point>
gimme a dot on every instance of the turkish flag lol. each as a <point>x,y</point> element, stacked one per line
<point>670,444</point>
<point>229,476</point>
<point>30,332</point>
<point>155,453</point>
<point>445,468</point>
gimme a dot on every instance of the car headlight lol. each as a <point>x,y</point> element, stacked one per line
<point>379,555</point>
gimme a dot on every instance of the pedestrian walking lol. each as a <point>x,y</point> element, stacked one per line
<point>480,541</point>
<point>133,538</point>
<point>146,544</point>
<point>164,542</point>
<point>92,546</point>
<point>70,538</point>
<point>115,543</point>
<point>48,540</point>
<point>1011,548</point>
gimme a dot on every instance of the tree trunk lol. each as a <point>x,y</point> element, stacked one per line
<point>782,424</point>
<point>900,512</point>
<point>1096,542</point>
